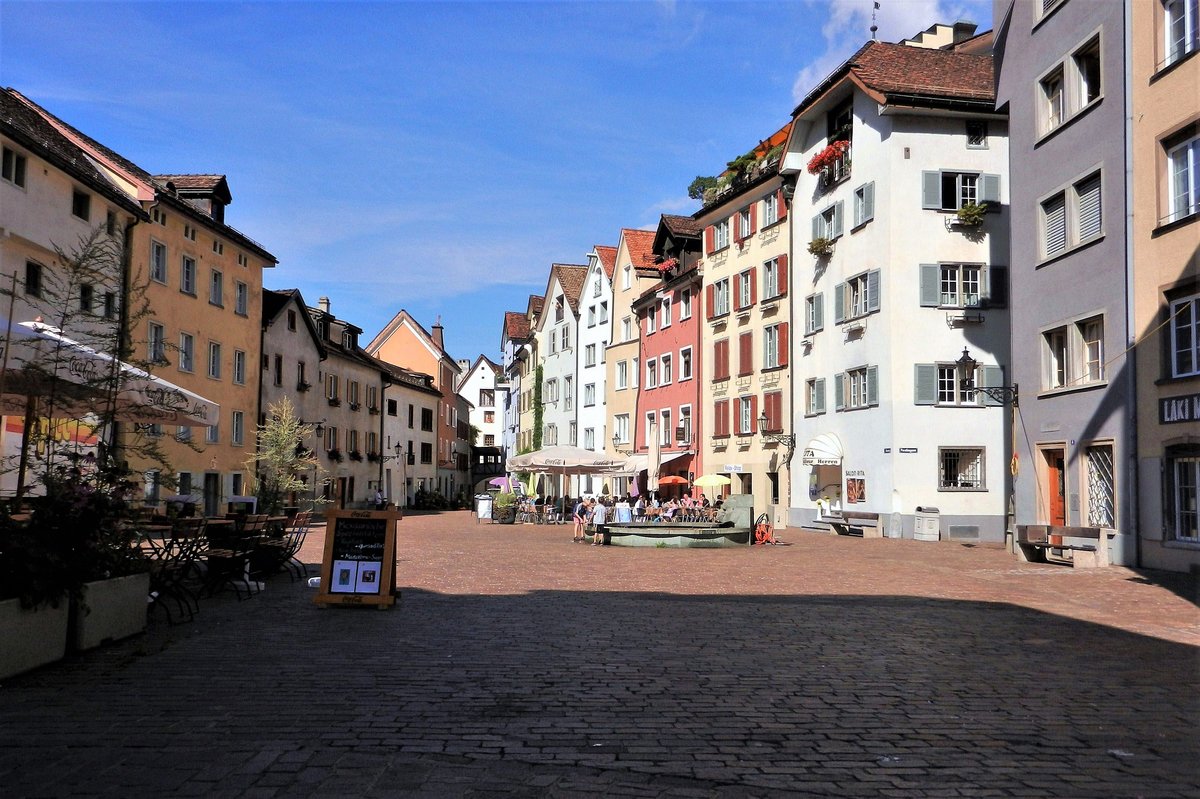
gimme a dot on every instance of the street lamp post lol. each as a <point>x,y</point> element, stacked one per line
<point>616,442</point>
<point>787,439</point>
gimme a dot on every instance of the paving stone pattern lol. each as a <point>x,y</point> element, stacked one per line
<point>517,663</point>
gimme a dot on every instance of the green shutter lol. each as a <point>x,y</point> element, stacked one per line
<point>989,188</point>
<point>819,395</point>
<point>931,190</point>
<point>992,377</point>
<point>995,286</point>
<point>818,311</point>
<point>869,202</point>
<point>925,384</point>
<point>839,392</point>
<point>931,287</point>
<point>872,385</point>
<point>839,215</point>
<point>873,290</point>
<point>816,227</point>
<point>839,303</point>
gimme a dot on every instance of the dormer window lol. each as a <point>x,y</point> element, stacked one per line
<point>559,311</point>
<point>348,339</point>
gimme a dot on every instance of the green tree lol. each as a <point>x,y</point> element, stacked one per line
<point>282,458</point>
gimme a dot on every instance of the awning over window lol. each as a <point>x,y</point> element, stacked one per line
<point>824,450</point>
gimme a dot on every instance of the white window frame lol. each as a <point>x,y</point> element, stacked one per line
<point>743,223</point>
<point>621,428</point>
<point>651,373</point>
<point>685,364</point>
<point>589,355</point>
<point>589,395</point>
<point>158,261</point>
<point>745,280</point>
<point>1182,16</point>
<point>1185,318</point>
<point>685,304</point>
<point>771,346</point>
<point>1072,354</point>
<point>664,369</point>
<point>960,285</point>
<point>1074,202</point>
<point>770,209</point>
<point>721,235</point>
<point>745,422</point>
<point>665,431</point>
<point>1062,89</point>
<point>665,312</point>
<point>1183,178</point>
<point>721,297</point>
<point>771,279</point>
<point>622,375</point>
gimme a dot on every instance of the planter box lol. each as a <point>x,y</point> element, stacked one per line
<point>31,638</point>
<point>116,609</point>
<point>504,515</point>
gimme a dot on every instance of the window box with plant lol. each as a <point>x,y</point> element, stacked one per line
<point>354,406</point>
<point>821,247</point>
<point>832,163</point>
<point>334,455</point>
<point>372,457</point>
<point>970,214</point>
<point>335,402</point>
<point>355,455</point>
<point>303,386</point>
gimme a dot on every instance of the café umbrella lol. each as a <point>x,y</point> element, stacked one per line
<point>711,481</point>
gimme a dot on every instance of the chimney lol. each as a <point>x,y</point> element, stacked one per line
<point>323,304</point>
<point>437,334</point>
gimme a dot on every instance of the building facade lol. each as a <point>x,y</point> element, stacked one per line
<point>557,335</point>
<point>595,305</point>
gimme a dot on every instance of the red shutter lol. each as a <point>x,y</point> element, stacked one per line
<point>753,414</point>
<point>774,408</point>
<point>745,354</point>
<point>782,272</point>
<point>782,205</point>
<point>721,360</point>
<point>753,284</point>
<point>708,239</point>
<point>783,343</point>
<point>720,418</point>
<point>753,217</point>
<point>708,299</point>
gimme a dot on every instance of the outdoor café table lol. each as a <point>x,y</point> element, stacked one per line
<point>173,550</point>
<point>229,557</point>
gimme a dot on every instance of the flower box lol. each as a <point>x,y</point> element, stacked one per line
<point>32,637</point>
<point>821,247</point>
<point>109,610</point>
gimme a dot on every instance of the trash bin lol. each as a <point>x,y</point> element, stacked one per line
<point>929,524</point>
<point>483,507</point>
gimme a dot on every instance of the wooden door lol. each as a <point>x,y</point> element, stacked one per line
<point>1056,487</point>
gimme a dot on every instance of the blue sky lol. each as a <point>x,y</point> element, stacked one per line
<point>439,157</point>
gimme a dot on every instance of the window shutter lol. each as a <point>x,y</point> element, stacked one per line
<point>872,385</point>
<point>708,239</point>
<point>931,286</point>
<point>781,274</point>
<point>925,384</point>
<point>720,418</point>
<point>989,188</point>
<point>992,377</point>
<point>869,202</point>
<point>995,286</point>
<point>1089,207</point>
<point>838,216</point>
<point>745,354</point>
<point>1054,223</point>
<point>783,343</point>
<point>816,227</point>
<point>818,311</point>
<point>721,360</point>
<point>873,290</point>
<point>753,413</point>
<point>859,206</point>
<point>839,303</point>
<point>931,190</point>
<point>753,285</point>
<point>709,292</point>
<point>753,217</point>
<point>839,392</point>
<point>781,204</point>
<point>819,395</point>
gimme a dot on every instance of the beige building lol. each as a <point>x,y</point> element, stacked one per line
<point>1165,279</point>
<point>526,361</point>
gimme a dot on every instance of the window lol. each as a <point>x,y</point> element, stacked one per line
<point>1071,87</point>
<point>241,299</point>
<point>187,352</point>
<point>291,320</point>
<point>720,236</point>
<point>489,440</point>
<point>157,341</point>
<point>352,393</point>
<point>685,363</point>
<point>665,310</point>
<point>651,420</point>
<point>1071,217</point>
<point>960,469</point>
<point>589,355</point>
<point>856,388</point>
<point>814,313</point>
<point>589,438</point>
<point>1073,355</point>
<point>237,434</point>
<point>158,261</point>
<point>745,354</point>
<point>721,359</point>
<point>745,224</point>
<point>189,232</point>
<point>33,279</point>
<point>1185,336</point>
<point>651,321</point>
<point>302,383</point>
<point>665,431</point>
<point>773,408</point>
<point>589,395</point>
<point>13,168</point>
<point>651,373</point>
<point>81,204</point>
<point>685,304</point>
<point>1182,29</point>
<point>187,275</point>
<point>977,134</point>
<point>566,337</point>
<point>212,434</point>
<point>550,391</point>
<point>621,428</point>
<point>627,329</point>
<point>683,433</point>
<point>426,452</point>
<point>1183,172</point>
<point>949,191</point>
<point>941,384</point>
<point>277,372</point>
<point>216,288</point>
<point>664,365</point>
<point>110,305</point>
<point>814,396</point>
<point>214,360</point>
<point>1181,493</point>
<point>856,297</point>
<point>746,421</point>
<point>775,346</point>
<point>745,289</point>
<point>591,320</point>
<point>634,372</point>
<point>1100,486</point>
<point>559,309</point>
<point>718,298</point>
<point>828,224</point>
<point>603,310</point>
<point>332,388</point>
<point>959,285</point>
<point>864,204</point>
<point>427,419</point>
<point>770,209</point>
<point>550,435</point>
<point>622,375</point>
<point>487,397</point>
<point>626,277</point>
<point>721,419</point>
<point>239,367</point>
<point>87,296</point>
<point>218,247</point>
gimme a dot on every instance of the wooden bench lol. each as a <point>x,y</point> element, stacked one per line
<point>857,523</point>
<point>1088,545</point>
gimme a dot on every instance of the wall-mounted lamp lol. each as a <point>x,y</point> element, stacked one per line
<point>1005,395</point>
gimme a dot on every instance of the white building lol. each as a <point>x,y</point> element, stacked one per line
<point>478,386</point>
<point>595,304</point>
<point>557,341</point>
<point>513,337</point>
<point>885,152</point>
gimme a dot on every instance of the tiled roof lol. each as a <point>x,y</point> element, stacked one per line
<point>640,244</point>
<point>682,226</point>
<point>25,126</point>
<point>571,277</point>
<point>536,303</point>
<point>608,259</point>
<point>198,185</point>
<point>516,325</point>
<point>918,73</point>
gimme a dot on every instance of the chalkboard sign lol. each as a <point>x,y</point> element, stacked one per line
<point>359,566</point>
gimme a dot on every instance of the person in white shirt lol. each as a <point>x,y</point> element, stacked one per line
<point>599,518</point>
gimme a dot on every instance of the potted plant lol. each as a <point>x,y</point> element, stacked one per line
<point>504,508</point>
<point>830,161</point>
<point>821,247</point>
<point>34,585</point>
<point>355,455</point>
<point>971,214</point>
<point>334,455</point>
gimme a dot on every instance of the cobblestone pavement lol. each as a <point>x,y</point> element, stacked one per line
<point>519,664</point>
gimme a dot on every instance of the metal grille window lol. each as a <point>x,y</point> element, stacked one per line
<point>1100,486</point>
<point>960,469</point>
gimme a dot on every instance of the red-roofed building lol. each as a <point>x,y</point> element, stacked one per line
<point>594,330</point>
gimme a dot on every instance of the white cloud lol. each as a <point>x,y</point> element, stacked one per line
<point>848,27</point>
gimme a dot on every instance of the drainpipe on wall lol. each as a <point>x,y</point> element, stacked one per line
<point>1130,315</point>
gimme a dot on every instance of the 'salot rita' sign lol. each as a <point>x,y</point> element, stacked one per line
<point>1173,410</point>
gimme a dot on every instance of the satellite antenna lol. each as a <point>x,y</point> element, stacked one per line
<point>874,27</point>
